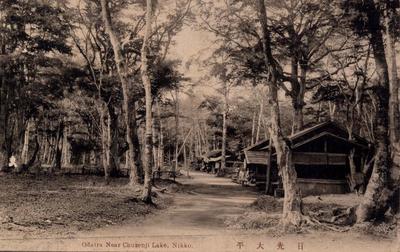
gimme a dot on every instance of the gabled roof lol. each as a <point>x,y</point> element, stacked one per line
<point>326,128</point>
<point>213,153</point>
<point>216,155</point>
<point>333,128</point>
<point>258,146</point>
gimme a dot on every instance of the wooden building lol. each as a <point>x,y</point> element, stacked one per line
<point>212,160</point>
<point>321,156</point>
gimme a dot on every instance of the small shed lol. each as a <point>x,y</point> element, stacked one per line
<point>321,155</point>
<point>212,160</point>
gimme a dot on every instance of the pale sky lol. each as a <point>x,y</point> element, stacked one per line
<point>189,44</point>
<point>192,44</point>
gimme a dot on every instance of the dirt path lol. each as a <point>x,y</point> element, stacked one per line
<point>199,211</point>
<point>195,222</point>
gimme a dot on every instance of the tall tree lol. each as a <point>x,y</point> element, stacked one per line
<point>391,23</point>
<point>135,171</point>
<point>145,74</point>
<point>96,59</point>
<point>303,33</point>
<point>375,200</point>
<point>221,70</point>
<point>306,32</point>
<point>292,204</point>
<point>33,39</point>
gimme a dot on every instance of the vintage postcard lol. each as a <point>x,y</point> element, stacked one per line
<point>200,125</point>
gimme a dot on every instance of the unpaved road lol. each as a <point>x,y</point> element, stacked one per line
<point>196,223</point>
<point>201,210</point>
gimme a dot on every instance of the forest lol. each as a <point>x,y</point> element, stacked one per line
<point>129,89</point>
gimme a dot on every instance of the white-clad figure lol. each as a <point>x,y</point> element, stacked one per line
<point>13,162</point>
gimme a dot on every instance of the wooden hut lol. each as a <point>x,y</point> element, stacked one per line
<point>212,160</point>
<point>321,156</point>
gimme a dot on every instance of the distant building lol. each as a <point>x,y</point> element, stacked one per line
<point>212,160</point>
<point>320,155</point>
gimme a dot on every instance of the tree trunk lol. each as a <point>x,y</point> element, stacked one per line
<point>105,148</point>
<point>3,116</point>
<point>201,144</point>
<point>204,144</point>
<point>47,155</point>
<point>298,89</point>
<point>123,76</point>
<point>221,171</point>
<point>299,118</point>
<point>146,197</point>
<point>253,128</point>
<point>46,148</point>
<point>176,130</point>
<point>332,110</point>
<point>292,204</point>
<point>349,127</point>
<point>214,142</point>
<point>113,132</point>
<point>196,144</point>
<point>394,113</point>
<point>185,161</point>
<point>375,199</point>
<point>260,115</point>
<point>32,160</point>
<point>352,167</point>
<point>394,108</point>
<point>44,142</point>
<point>198,141</point>
<point>156,136</point>
<point>58,142</point>
<point>52,149</point>
<point>66,150</point>
<point>134,136</point>
<point>161,147</point>
<point>191,150</point>
<point>154,141</point>
<point>25,147</point>
<point>127,160</point>
<point>205,137</point>
<point>269,169</point>
<point>296,117</point>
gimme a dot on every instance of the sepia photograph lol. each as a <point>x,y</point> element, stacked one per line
<point>200,125</point>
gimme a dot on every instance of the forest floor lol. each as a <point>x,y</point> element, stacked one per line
<point>42,205</point>
<point>207,214</point>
